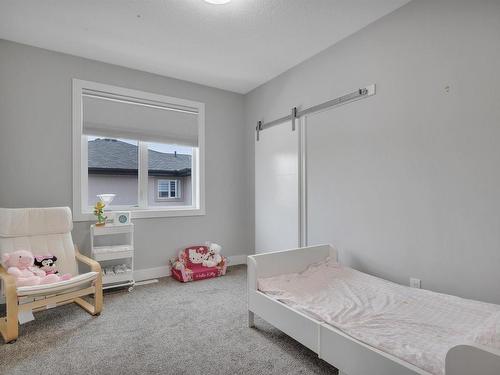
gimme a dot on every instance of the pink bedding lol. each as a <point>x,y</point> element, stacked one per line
<point>416,325</point>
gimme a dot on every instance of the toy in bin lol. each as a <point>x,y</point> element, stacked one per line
<point>198,263</point>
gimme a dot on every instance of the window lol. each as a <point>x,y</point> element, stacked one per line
<point>145,148</point>
<point>168,189</point>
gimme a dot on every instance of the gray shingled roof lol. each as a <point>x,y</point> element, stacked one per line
<point>110,156</point>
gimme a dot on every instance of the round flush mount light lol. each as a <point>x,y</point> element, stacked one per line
<point>217,2</point>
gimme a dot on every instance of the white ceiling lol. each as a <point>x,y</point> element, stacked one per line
<point>237,46</point>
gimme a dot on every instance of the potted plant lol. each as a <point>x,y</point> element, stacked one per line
<point>104,199</point>
<point>99,213</point>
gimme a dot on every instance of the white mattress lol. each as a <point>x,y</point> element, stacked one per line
<point>416,325</point>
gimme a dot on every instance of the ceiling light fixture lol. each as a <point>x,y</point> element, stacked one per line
<point>217,2</point>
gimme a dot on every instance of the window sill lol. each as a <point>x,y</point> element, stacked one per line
<point>146,213</point>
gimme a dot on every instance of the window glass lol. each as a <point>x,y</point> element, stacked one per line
<point>113,169</point>
<point>163,189</point>
<point>173,189</point>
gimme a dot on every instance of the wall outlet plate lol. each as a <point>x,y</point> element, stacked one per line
<point>415,283</point>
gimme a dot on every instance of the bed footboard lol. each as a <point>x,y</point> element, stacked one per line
<point>468,360</point>
<point>296,325</point>
<point>286,261</point>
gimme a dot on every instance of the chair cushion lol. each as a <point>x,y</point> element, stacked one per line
<point>55,288</point>
<point>60,245</point>
<point>20,222</point>
<point>42,231</point>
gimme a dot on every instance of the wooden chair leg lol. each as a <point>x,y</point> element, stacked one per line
<point>88,307</point>
<point>98,295</point>
<point>9,327</point>
<point>96,307</point>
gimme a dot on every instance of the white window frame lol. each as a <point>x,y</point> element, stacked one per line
<point>178,191</point>
<point>81,210</point>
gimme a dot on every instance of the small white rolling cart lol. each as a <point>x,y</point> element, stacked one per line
<point>113,247</point>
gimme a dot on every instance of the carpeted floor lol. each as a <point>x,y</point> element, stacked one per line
<point>163,328</point>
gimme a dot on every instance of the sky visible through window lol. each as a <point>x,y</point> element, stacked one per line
<point>160,147</point>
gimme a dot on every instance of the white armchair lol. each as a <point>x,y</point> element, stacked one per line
<point>43,231</point>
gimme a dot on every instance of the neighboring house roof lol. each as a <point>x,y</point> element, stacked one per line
<point>110,156</point>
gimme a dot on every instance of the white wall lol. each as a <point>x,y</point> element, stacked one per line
<point>35,149</point>
<point>411,187</point>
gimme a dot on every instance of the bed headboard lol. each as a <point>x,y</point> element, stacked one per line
<point>286,261</point>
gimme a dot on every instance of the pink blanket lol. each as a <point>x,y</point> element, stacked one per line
<point>416,325</point>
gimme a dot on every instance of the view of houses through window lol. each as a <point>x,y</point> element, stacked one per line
<point>113,167</point>
<point>169,175</point>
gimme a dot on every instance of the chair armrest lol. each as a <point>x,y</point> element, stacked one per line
<point>94,265</point>
<point>9,281</point>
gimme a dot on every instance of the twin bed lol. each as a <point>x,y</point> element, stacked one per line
<point>365,325</point>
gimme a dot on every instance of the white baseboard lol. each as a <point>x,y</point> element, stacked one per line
<point>234,260</point>
<point>151,273</point>
<point>164,271</point>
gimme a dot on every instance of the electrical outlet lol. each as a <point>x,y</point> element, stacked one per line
<point>414,283</point>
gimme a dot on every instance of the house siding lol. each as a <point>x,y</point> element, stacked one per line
<point>126,190</point>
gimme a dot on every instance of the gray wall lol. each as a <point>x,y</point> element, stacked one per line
<point>432,155</point>
<point>35,149</point>
<point>412,54</point>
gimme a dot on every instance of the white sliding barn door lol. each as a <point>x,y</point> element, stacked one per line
<point>277,189</point>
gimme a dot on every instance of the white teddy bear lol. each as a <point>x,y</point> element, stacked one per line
<point>213,257</point>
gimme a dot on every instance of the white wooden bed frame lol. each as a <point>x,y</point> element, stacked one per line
<point>349,355</point>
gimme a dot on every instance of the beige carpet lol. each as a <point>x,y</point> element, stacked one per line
<point>164,328</point>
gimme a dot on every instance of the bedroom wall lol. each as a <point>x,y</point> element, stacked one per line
<point>435,121</point>
<point>35,149</point>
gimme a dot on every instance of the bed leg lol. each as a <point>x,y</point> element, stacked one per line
<point>251,319</point>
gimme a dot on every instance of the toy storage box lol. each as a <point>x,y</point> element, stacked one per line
<point>186,270</point>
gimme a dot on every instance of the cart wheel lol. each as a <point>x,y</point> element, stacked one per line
<point>130,288</point>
